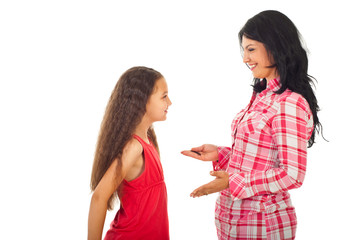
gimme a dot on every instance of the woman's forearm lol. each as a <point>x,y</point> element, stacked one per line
<point>224,154</point>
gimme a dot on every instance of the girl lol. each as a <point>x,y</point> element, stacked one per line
<point>269,137</point>
<point>127,162</point>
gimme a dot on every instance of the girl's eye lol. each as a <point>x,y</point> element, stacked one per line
<point>251,49</point>
<point>164,96</point>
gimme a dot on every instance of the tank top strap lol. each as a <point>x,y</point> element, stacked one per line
<point>148,148</point>
<point>143,142</point>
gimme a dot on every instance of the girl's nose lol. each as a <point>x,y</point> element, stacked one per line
<point>169,103</point>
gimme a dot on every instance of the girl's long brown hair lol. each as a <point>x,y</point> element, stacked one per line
<point>124,111</point>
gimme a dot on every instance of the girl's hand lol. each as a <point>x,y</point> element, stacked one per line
<point>220,183</point>
<point>206,152</point>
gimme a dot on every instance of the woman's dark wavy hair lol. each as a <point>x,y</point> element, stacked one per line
<point>282,41</point>
<point>124,111</point>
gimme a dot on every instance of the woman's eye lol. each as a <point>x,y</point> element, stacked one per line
<point>251,49</point>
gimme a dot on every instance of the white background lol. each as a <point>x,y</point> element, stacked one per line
<point>59,61</point>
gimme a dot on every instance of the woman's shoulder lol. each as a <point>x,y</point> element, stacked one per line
<point>289,97</point>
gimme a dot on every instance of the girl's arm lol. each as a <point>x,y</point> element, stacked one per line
<point>132,154</point>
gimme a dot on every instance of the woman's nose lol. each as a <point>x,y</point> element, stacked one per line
<point>245,57</point>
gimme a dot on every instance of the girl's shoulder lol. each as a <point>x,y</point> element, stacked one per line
<point>133,148</point>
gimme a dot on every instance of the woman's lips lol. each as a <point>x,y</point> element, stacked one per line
<point>252,66</point>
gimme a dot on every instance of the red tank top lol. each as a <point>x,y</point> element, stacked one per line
<point>143,211</point>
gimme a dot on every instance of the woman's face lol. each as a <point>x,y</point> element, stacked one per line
<point>257,59</point>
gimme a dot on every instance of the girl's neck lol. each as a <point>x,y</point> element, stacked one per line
<point>142,129</point>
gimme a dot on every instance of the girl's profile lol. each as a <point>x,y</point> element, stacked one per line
<point>127,162</point>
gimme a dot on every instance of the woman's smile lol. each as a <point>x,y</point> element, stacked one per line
<point>251,66</point>
<point>258,59</point>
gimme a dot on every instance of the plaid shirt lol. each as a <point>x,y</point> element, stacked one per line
<point>267,157</point>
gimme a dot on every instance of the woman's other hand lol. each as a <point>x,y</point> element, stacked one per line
<point>219,184</point>
<point>206,152</point>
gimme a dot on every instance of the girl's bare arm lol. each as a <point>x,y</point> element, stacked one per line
<point>107,186</point>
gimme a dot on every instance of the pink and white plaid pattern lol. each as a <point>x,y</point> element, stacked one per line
<point>267,158</point>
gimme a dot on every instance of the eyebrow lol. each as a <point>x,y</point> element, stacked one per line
<point>251,44</point>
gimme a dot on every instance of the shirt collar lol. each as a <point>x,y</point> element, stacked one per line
<point>274,84</point>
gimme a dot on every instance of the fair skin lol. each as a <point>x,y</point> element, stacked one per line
<point>257,59</point>
<point>208,152</point>
<point>132,160</point>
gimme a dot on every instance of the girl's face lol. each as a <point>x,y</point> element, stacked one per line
<point>158,103</point>
<point>258,59</point>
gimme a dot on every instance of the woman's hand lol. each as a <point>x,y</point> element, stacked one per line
<point>206,152</point>
<point>220,183</point>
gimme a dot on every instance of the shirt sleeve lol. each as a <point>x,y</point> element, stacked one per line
<point>291,129</point>
<point>224,154</point>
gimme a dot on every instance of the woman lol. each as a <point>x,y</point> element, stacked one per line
<point>269,137</point>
